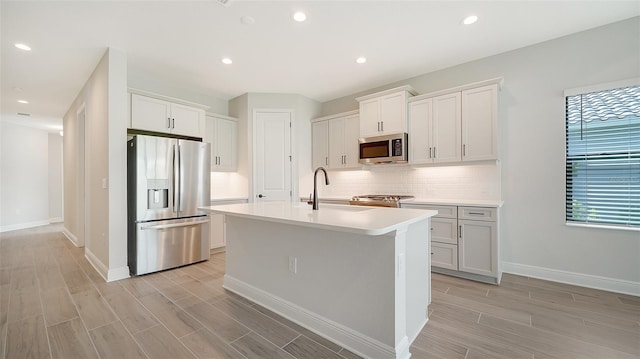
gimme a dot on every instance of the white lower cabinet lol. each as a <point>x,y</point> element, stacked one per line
<point>464,241</point>
<point>478,243</point>
<point>444,255</point>
<point>217,237</point>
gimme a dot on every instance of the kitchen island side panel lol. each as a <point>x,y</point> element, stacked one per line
<point>366,293</point>
<point>340,276</point>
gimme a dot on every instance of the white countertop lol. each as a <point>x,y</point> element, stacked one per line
<point>434,201</point>
<point>355,219</point>
<point>229,199</point>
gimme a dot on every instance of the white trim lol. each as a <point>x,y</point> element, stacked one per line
<point>166,98</point>
<point>406,88</point>
<point>602,87</point>
<point>109,275</point>
<point>350,339</point>
<point>96,263</point>
<point>56,220</point>
<point>118,274</point>
<point>217,115</point>
<point>70,236</point>
<point>497,81</point>
<point>579,279</point>
<point>15,227</point>
<point>602,226</point>
<point>337,115</point>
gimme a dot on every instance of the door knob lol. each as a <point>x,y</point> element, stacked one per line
<point>261,196</point>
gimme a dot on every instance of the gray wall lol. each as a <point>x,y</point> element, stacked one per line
<point>104,97</point>
<point>535,239</point>
<point>24,174</point>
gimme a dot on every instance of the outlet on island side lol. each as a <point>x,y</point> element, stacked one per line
<point>293,264</point>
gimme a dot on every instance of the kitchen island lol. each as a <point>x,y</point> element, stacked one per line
<point>359,276</point>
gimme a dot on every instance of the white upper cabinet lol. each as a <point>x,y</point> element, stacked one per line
<point>187,121</point>
<point>420,131</point>
<point>480,123</point>
<point>153,114</point>
<point>434,129</point>
<point>384,112</point>
<point>320,144</point>
<point>343,142</point>
<point>222,133</point>
<point>335,141</point>
<point>455,125</point>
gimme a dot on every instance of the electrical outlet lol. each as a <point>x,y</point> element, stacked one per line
<point>293,265</point>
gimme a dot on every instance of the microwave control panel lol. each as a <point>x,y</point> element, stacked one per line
<point>396,147</point>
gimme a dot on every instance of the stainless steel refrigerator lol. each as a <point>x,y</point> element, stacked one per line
<point>167,180</point>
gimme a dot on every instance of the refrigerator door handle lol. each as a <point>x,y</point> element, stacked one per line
<point>184,224</point>
<point>175,178</point>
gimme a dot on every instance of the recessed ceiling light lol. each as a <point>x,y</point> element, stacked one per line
<point>247,20</point>
<point>23,101</point>
<point>361,60</point>
<point>227,61</point>
<point>299,16</point>
<point>23,47</point>
<point>470,19</point>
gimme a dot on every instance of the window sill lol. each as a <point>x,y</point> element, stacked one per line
<point>603,226</point>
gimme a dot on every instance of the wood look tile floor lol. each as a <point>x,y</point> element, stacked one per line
<point>53,304</point>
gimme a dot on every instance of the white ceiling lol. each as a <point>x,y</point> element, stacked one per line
<point>181,43</point>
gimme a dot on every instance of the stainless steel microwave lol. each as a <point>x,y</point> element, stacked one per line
<point>384,149</point>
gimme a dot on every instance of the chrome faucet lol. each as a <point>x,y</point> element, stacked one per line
<point>314,202</point>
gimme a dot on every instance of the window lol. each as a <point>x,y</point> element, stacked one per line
<point>603,157</point>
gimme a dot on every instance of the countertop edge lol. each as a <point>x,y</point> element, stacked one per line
<point>326,226</point>
<point>454,202</point>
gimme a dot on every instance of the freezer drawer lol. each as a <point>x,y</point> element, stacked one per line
<point>167,244</point>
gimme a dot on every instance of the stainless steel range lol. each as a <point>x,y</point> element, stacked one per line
<point>378,200</point>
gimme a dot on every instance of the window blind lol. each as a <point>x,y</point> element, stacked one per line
<point>603,157</point>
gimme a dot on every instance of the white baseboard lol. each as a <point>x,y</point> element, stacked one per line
<point>580,279</point>
<point>70,236</point>
<point>56,220</point>
<point>15,227</point>
<point>100,267</point>
<point>356,342</point>
<point>118,273</point>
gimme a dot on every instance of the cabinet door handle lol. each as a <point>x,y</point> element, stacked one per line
<point>464,150</point>
<point>382,126</point>
<point>476,213</point>
<point>434,153</point>
<point>378,126</point>
<point>173,123</point>
<point>460,234</point>
<point>168,122</point>
<point>326,161</point>
<point>429,152</point>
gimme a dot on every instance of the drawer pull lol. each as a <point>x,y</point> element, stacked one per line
<point>476,213</point>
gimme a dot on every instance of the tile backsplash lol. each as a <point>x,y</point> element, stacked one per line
<point>442,182</point>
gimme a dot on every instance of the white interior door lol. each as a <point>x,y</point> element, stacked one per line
<point>272,155</point>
